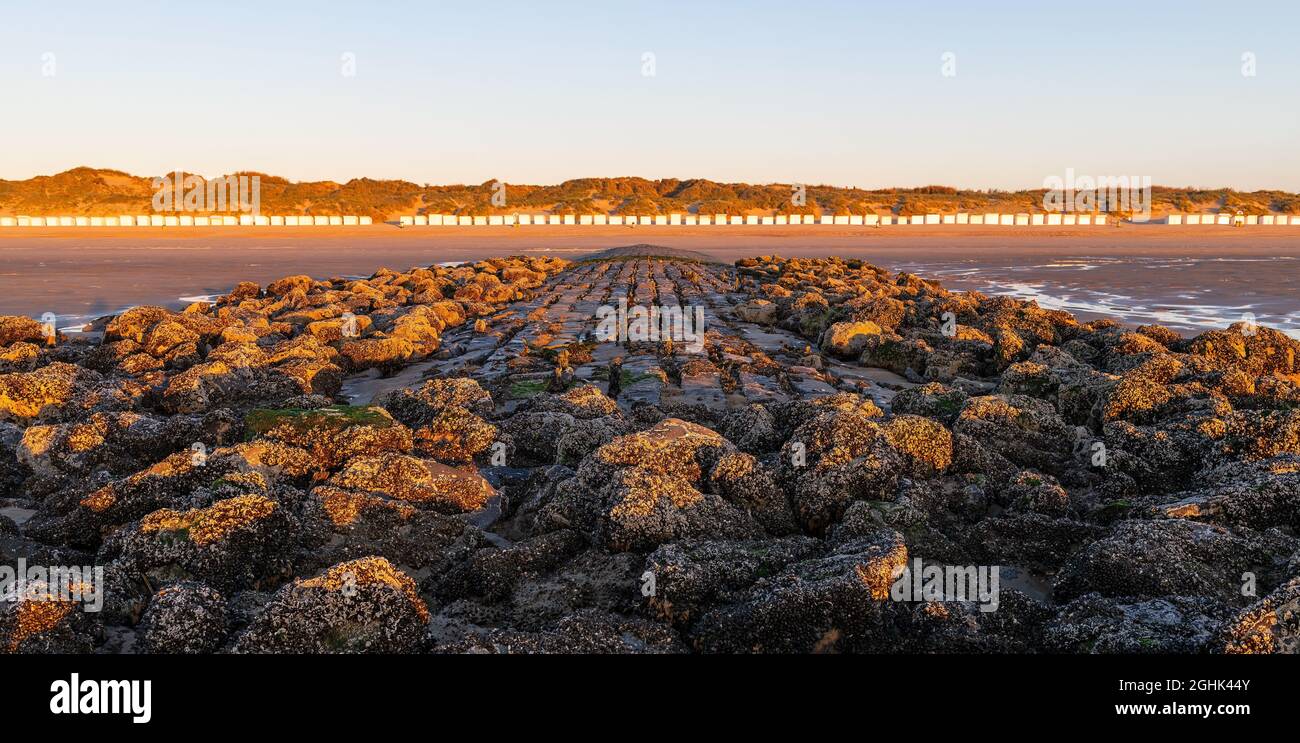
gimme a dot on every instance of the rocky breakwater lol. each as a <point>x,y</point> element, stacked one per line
<point>545,488</point>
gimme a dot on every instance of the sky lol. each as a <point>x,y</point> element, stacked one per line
<point>867,94</point>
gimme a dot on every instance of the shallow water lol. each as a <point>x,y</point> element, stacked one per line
<point>1189,294</point>
<point>367,387</point>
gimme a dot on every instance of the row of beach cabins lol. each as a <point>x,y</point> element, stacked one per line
<point>185,220</point>
<point>444,220</point>
<point>863,220</point>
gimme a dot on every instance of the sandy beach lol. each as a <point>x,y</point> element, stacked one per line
<point>1186,277</point>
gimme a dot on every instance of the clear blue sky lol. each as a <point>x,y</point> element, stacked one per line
<point>845,93</point>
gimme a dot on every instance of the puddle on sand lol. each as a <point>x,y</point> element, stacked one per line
<point>1034,586</point>
<point>488,515</point>
<point>869,373</point>
<point>20,516</point>
<point>366,387</point>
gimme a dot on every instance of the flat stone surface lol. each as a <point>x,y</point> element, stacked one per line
<point>745,362</point>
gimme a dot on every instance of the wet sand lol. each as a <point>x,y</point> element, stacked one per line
<point>1185,276</point>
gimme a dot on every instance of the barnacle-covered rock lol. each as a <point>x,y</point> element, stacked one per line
<point>234,543</point>
<point>185,618</point>
<point>362,606</point>
<point>423,482</point>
